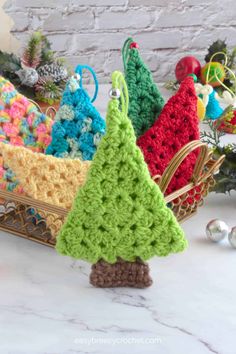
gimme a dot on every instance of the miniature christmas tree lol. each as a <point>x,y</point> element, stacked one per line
<point>32,53</point>
<point>46,178</point>
<point>20,124</point>
<point>177,125</point>
<point>79,127</point>
<point>119,218</point>
<point>146,101</point>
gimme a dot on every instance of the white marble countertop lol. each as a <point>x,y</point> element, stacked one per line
<point>48,307</point>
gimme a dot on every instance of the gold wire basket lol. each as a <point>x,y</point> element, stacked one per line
<point>25,217</point>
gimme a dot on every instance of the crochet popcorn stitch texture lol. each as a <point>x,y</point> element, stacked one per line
<point>227,121</point>
<point>79,127</point>
<point>213,108</point>
<point>177,125</point>
<point>20,124</point>
<point>46,178</point>
<point>120,211</point>
<point>145,100</point>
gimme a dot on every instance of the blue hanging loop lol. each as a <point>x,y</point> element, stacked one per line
<point>79,70</point>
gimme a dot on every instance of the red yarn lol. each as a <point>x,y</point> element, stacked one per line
<point>228,123</point>
<point>177,125</point>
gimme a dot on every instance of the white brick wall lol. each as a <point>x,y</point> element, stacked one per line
<point>93,31</point>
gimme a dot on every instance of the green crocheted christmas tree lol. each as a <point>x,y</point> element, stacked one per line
<point>145,100</point>
<point>119,215</point>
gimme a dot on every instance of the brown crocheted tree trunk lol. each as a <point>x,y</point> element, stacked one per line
<point>120,274</point>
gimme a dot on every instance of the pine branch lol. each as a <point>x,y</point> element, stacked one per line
<point>32,53</point>
<point>217,46</point>
<point>9,63</point>
<point>232,59</point>
<point>47,54</point>
<point>213,137</point>
<point>172,85</point>
<point>226,178</point>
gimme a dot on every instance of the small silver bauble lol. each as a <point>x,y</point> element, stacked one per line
<point>114,93</point>
<point>232,237</point>
<point>217,230</point>
<point>28,76</point>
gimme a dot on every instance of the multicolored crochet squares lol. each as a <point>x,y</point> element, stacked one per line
<point>20,124</point>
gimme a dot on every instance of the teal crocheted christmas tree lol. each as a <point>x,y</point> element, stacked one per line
<point>120,213</point>
<point>78,125</point>
<point>145,100</point>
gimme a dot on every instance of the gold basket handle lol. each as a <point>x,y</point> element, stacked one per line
<point>213,168</point>
<point>50,111</point>
<point>36,104</point>
<point>179,158</point>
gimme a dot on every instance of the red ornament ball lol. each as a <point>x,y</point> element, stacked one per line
<point>185,66</point>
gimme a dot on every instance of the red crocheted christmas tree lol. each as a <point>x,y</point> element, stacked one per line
<point>177,125</point>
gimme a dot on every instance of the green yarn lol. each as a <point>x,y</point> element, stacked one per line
<point>146,101</point>
<point>120,211</point>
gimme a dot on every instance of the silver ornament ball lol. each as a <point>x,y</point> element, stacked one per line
<point>114,93</point>
<point>232,237</point>
<point>28,76</point>
<point>217,230</point>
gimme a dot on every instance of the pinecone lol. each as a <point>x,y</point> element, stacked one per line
<point>56,71</point>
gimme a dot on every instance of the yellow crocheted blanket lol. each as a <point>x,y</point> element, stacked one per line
<point>44,177</point>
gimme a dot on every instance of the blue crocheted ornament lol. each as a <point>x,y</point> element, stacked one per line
<point>213,108</point>
<point>78,126</point>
